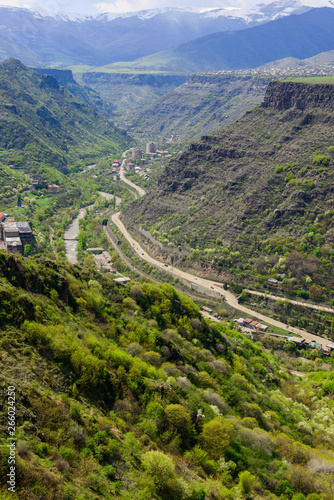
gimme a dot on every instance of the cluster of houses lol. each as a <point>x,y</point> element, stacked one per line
<point>44,184</point>
<point>140,167</point>
<point>139,170</point>
<point>115,169</point>
<point>248,325</point>
<point>14,235</point>
<point>139,162</point>
<point>313,344</point>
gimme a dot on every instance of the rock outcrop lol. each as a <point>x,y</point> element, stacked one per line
<point>286,95</point>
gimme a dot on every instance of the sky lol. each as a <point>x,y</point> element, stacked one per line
<point>94,7</point>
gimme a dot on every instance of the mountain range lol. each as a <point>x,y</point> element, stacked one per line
<point>203,104</point>
<point>300,36</point>
<point>41,40</point>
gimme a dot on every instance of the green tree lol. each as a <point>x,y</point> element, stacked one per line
<point>215,436</point>
<point>27,249</point>
<point>178,417</point>
<point>159,467</point>
<point>82,239</point>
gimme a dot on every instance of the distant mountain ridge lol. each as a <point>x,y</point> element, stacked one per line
<point>299,36</point>
<point>43,40</point>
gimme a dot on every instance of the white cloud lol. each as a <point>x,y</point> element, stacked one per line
<point>14,3</point>
<point>54,7</point>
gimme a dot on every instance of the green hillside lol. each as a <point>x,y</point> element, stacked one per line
<point>255,199</point>
<point>41,123</point>
<point>203,104</point>
<point>126,392</point>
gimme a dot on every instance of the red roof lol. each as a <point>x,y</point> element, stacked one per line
<point>2,214</point>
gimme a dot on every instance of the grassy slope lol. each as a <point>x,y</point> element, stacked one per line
<point>104,375</point>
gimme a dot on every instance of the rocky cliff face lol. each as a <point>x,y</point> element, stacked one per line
<point>93,78</point>
<point>286,95</point>
<point>63,76</point>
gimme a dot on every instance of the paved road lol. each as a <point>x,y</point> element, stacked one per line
<point>211,285</point>
<point>112,239</point>
<point>230,298</point>
<point>140,190</point>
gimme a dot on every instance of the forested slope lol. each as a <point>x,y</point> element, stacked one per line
<point>129,393</point>
<point>41,123</point>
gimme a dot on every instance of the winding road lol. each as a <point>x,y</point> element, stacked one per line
<point>229,297</point>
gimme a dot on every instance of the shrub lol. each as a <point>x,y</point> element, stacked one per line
<point>178,417</point>
<point>42,449</point>
<point>23,448</point>
<point>197,455</point>
<point>62,465</point>
<point>302,480</point>
<point>159,467</point>
<point>149,427</point>
<point>257,439</point>
<point>75,413</point>
<point>67,453</point>
<point>155,411</point>
<point>250,422</point>
<point>246,482</point>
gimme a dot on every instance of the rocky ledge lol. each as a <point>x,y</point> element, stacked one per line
<point>286,95</point>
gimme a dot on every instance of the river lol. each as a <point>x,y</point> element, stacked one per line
<point>72,230</point>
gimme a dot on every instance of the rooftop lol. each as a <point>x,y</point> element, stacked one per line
<point>23,227</point>
<point>14,242</point>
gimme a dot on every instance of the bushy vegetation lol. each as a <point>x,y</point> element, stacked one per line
<point>252,202</point>
<point>127,392</point>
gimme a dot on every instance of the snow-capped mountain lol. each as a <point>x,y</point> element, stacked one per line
<point>42,39</point>
<point>253,12</point>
